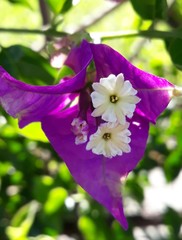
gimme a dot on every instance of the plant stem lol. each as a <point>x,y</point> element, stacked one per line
<point>101,35</point>
<point>136,33</point>
<point>44,11</point>
<point>47,32</point>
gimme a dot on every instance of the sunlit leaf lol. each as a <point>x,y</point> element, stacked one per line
<point>87,227</point>
<point>55,200</point>
<point>22,222</point>
<point>33,131</point>
<point>64,173</point>
<point>22,2</point>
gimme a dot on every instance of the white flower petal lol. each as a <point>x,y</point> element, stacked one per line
<point>119,82</point>
<point>127,108</point>
<point>120,116</point>
<point>100,88</point>
<point>127,89</point>
<point>114,99</point>
<point>97,99</point>
<point>109,114</point>
<point>132,99</point>
<point>114,145</point>
<point>99,110</point>
<point>109,82</point>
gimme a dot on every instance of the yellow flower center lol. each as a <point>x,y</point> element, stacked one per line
<point>106,136</point>
<point>113,98</point>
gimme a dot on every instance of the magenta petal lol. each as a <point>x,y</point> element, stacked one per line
<point>79,57</point>
<point>100,177</point>
<point>153,90</point>
<point>30,103</point>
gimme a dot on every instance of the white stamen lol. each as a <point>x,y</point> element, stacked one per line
<point>110,140</point>
<point>114,99</point>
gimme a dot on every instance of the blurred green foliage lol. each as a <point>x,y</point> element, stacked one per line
<point>150,9</point>
<point>39,200</point>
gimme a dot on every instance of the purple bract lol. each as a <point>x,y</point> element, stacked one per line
<point>97,121</point>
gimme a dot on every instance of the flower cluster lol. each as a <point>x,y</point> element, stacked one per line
<point>97,122</point>
<point>113,99</point>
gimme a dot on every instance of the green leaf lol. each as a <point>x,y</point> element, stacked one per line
<point>173,164</point>
<point>135,190</point>
<point>27,65</point>
<point>150,9</point>
<point>58,6</point>
<point>42,184</point>
<point>67,6</point>
<point>22,221</point>
<point>161,9</point>
<point>64,71</point>
<point>175,51</point>
<point>173,219</point>
<point>5,167</point>
<point>33,131</point>
<point>22,2</point>
<point>64,173</point>
<point>55,200</point>
<point>119,234</point>
<point>88,228</point>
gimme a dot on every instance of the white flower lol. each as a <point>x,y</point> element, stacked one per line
<point>114,99</point>
<point>110,140</point>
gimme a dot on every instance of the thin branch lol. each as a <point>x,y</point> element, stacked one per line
<point>44,13</point>
<point>136,33</point>
<point>142,42</point>
<point>143,222</point>
<point>103,35</point>
<point>47,32</point>
<point>45,16</point>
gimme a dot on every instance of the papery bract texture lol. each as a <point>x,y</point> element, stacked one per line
<point>152,90</point>
<point>70,128</point>
<point>30,103</point>
<point>101,177</point>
